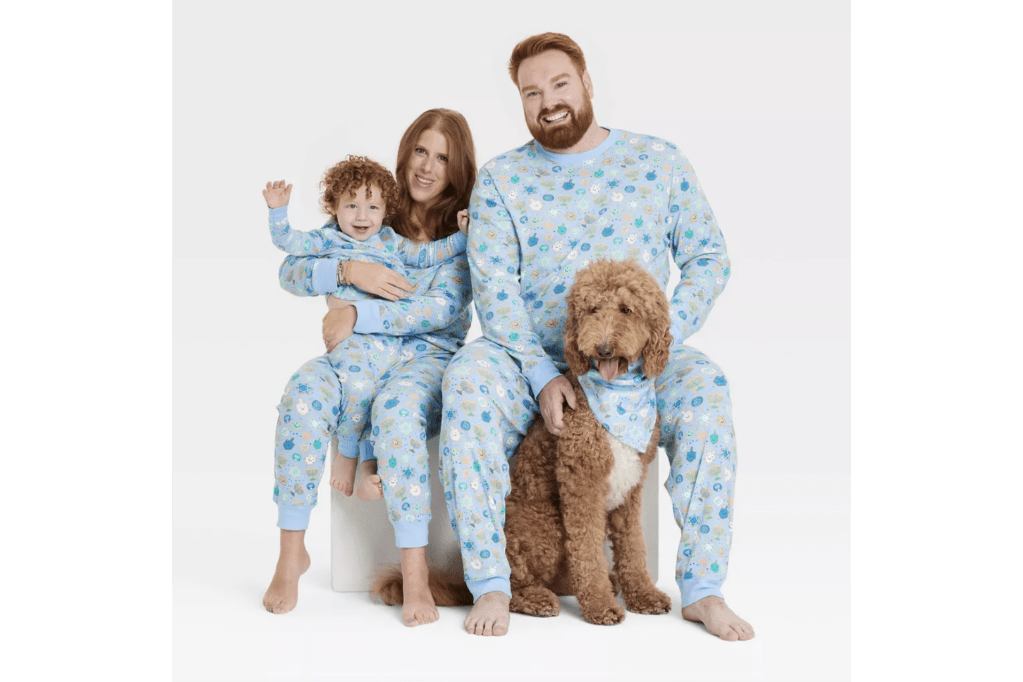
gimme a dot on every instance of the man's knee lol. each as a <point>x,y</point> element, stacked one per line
<point>692,397</point>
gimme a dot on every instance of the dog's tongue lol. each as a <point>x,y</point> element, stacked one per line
<point>608,369</point>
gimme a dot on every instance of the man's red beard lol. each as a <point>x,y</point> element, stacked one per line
<point>566,134</point>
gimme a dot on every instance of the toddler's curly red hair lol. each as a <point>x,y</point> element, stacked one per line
<point>347,176</point>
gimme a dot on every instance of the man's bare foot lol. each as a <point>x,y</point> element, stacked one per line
<point>419,607</point>
<point>282,595</point>
<point>370,488</point>
<point>489,615</point>
<point>342,473</point>
<point>714,613</point>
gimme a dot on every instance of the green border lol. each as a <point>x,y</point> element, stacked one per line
<point>89,285</point>
<point>936,233</point>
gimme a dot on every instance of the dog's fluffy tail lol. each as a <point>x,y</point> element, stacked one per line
<point>447,589</point>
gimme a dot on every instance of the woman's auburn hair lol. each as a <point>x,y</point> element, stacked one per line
<point>542,42</point>
<point>346,177</point>
<point>441,220</point>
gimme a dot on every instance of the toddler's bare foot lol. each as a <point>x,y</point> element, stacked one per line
<point>282,595</point>
<point>489,615</point>
<point>419,607</point>
<point>342,474</point>
<point>370,488</point>
<point>719,619</point>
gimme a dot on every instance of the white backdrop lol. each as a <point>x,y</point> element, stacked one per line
<point>756,95</point>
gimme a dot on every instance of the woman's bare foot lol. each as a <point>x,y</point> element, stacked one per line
<point>370,487</point>
<point>342,473</point>
<point>419,607</point>
<point>489,615</point>
<point>719,619</point>
<point>282,595</point>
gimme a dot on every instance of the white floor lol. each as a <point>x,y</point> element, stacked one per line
<point>789,577</point>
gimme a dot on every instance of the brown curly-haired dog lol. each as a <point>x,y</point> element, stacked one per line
<point>569,493</point>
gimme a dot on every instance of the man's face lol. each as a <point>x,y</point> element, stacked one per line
<point>555,99</point>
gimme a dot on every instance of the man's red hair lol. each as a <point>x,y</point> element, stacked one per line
<point>534,45</point>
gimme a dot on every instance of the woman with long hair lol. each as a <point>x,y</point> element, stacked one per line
<point>435,174</point>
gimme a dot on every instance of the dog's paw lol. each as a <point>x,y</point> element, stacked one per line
<point>647,601</point>
<point>605,614</point>
<point>535,601</point>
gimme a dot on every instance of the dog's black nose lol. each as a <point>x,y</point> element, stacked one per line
<point>605,351</point>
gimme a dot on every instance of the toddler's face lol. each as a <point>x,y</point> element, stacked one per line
<point>360,217</point>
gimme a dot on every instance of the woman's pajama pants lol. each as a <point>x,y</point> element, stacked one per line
<point>399,379</point>
<point>488,409</point>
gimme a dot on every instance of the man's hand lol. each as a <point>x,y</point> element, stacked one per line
<point>338,325</point>
<point>379,280</point>
<point>552,398</point>
<point>463,220</point>
<point>276,194</point>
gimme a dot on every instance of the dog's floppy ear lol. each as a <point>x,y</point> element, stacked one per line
<point>655,355</point>
<point>575,359</point>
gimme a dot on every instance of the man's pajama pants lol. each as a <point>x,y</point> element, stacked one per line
<point>487,411</point>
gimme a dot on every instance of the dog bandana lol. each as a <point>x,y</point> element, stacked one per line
<point>626,407</point>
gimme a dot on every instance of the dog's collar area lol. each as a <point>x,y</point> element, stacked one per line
<point>626,407</point>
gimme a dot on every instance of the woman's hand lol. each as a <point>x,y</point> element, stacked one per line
<point>463,220</point>
<point>379,280</point>
<point>276,194</point>
<point>338,325</point>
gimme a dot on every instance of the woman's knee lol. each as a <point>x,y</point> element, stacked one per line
<point>313,395</point>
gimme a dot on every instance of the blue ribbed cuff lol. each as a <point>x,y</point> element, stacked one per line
<point>292,517</point>
<point>481,587</point>
<point>367,318</point>
<point>279,214</point>
<point>541,375</point>
<point>457,243</point>
<point>350,448</point>
<point>695,589</point>
<point>325,275</point>
<point>409,534</point>
<point>366,451</point>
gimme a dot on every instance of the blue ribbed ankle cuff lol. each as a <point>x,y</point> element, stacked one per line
<point>481,587</point>
<point>694,589</point>
<point>348,449</point>
<point>409,534</point>
<point>366,451</point>
<point>292,517</point>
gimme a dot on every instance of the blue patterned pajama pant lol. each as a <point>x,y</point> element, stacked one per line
<point>488,409</point>
<point>392,383</point>
<point>329,395</point>
<point>405,413</point>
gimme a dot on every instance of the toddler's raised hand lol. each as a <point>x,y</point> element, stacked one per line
<point>463,220</point>
<point>276,194</point>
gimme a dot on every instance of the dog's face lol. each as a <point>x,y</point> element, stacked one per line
<point>616,314</point>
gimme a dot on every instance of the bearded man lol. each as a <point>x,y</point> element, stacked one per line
<point>539,213</point>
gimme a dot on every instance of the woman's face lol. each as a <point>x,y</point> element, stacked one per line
<point>428,168</point>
